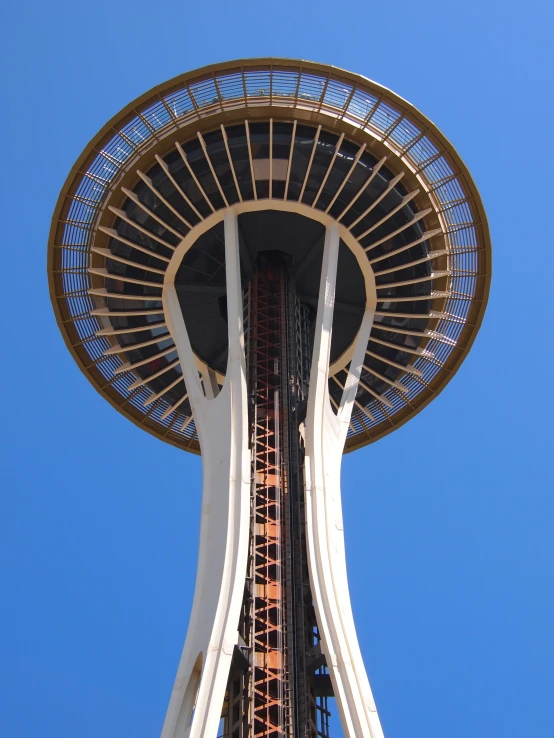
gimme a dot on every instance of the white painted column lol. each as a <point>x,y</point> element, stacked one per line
<point>325,438</point>
<point>222,423</point>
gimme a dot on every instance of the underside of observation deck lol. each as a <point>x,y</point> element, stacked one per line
<point>268,130</point>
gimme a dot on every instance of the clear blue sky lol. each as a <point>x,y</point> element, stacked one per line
<point>449,521</point>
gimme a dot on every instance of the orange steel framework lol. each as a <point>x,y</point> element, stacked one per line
<point>271,705</point>
<point>278,684</point>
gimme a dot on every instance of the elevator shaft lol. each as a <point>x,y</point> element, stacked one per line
<point>275,685</point>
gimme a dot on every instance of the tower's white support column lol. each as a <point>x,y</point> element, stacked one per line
<point>325,437</point>
<point>222,423</point>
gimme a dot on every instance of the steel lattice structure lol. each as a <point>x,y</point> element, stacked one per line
<point>273,262</point>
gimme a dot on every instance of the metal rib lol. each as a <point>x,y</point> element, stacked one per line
<point>212,170</point>
<point>405,200</point>
<point>231,165</point>
<point>174,182</point>
<point>391,185</point>
<point>392,382</point>
<point>123,215</point>
<point>290,158</point>
<point>430,256</point>
<point>114,234</point>
<point>148,182</point>
<point>363,187</point>
<point>106,312</point>
<point>103,292</point>
<point>153,398</point>
<point>163,370</point>
<point>132,347</point>
<point>128,367</point>
<point>306,176</point>
<point>408,369</point>
<point>429,277</point>
<point>346,178</point>
<point>134,329</point>
<point>104,273</point>
<point>167,413</point>
<point>408,349</point>
<point>194,177</point>
<point>250,159</point>
<point>328,172</point>
<point>409,224</point>
<point>381,398</point>
<point>143,207</point>
<point>107,254</point>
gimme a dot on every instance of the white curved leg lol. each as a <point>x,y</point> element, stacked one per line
<point>222,422</point>
<point>325,437</point>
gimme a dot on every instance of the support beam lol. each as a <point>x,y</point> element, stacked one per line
<point>325,436</point>
<point>222,425</point>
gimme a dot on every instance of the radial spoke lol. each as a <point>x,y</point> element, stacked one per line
<point>358,404</point>
<point>250,159</point>
<point>174,182</point>
<point>381,398</point>
<point>426,333</point>
<point>407,369</point>
<point>428,278</point>
<point>328,172</point>
<point>187,422</point>
<point>432,296</point>
<point>166,413</point>
<point>212,170</point>
<point>293,136</point>
<point>347,177</point>
<point>391,185</point>
<point>392,382</point>
<point>128,367</point>
<point>103,292</point>
<point>163,370</point>
<point>417,217</point>
<point>427,235</point>
<point>405,200</point>
<point>134,346</point>
<point>364,187</point>
<point>107,254</point>
<point>431,314</point>
<point>134,329</point>
<point>430,256</point>
<point>404,349</point>
<point>123,215</point>
<point>270,158</point>
<point>125,313</point>
<point>194,177</point>
<point>229,157</point>
<point>365,411</point>
<point>308,168</point>
<point>148,182</point>
<point>145,209</point>
<point>114,234</point>
<point>153,398</point>
<point>119,277</point>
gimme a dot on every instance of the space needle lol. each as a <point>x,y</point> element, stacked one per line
<point>270,262</point>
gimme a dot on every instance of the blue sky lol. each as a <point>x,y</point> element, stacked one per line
<point>449,521</point>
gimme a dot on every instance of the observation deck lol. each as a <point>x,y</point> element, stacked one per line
<point>291,147</point>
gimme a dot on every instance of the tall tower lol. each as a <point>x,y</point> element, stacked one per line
<point>269,262</point>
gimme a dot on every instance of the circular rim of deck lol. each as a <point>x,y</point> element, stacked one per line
<point>304,108</point>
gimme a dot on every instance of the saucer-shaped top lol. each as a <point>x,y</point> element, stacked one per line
<point>292,146</point>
